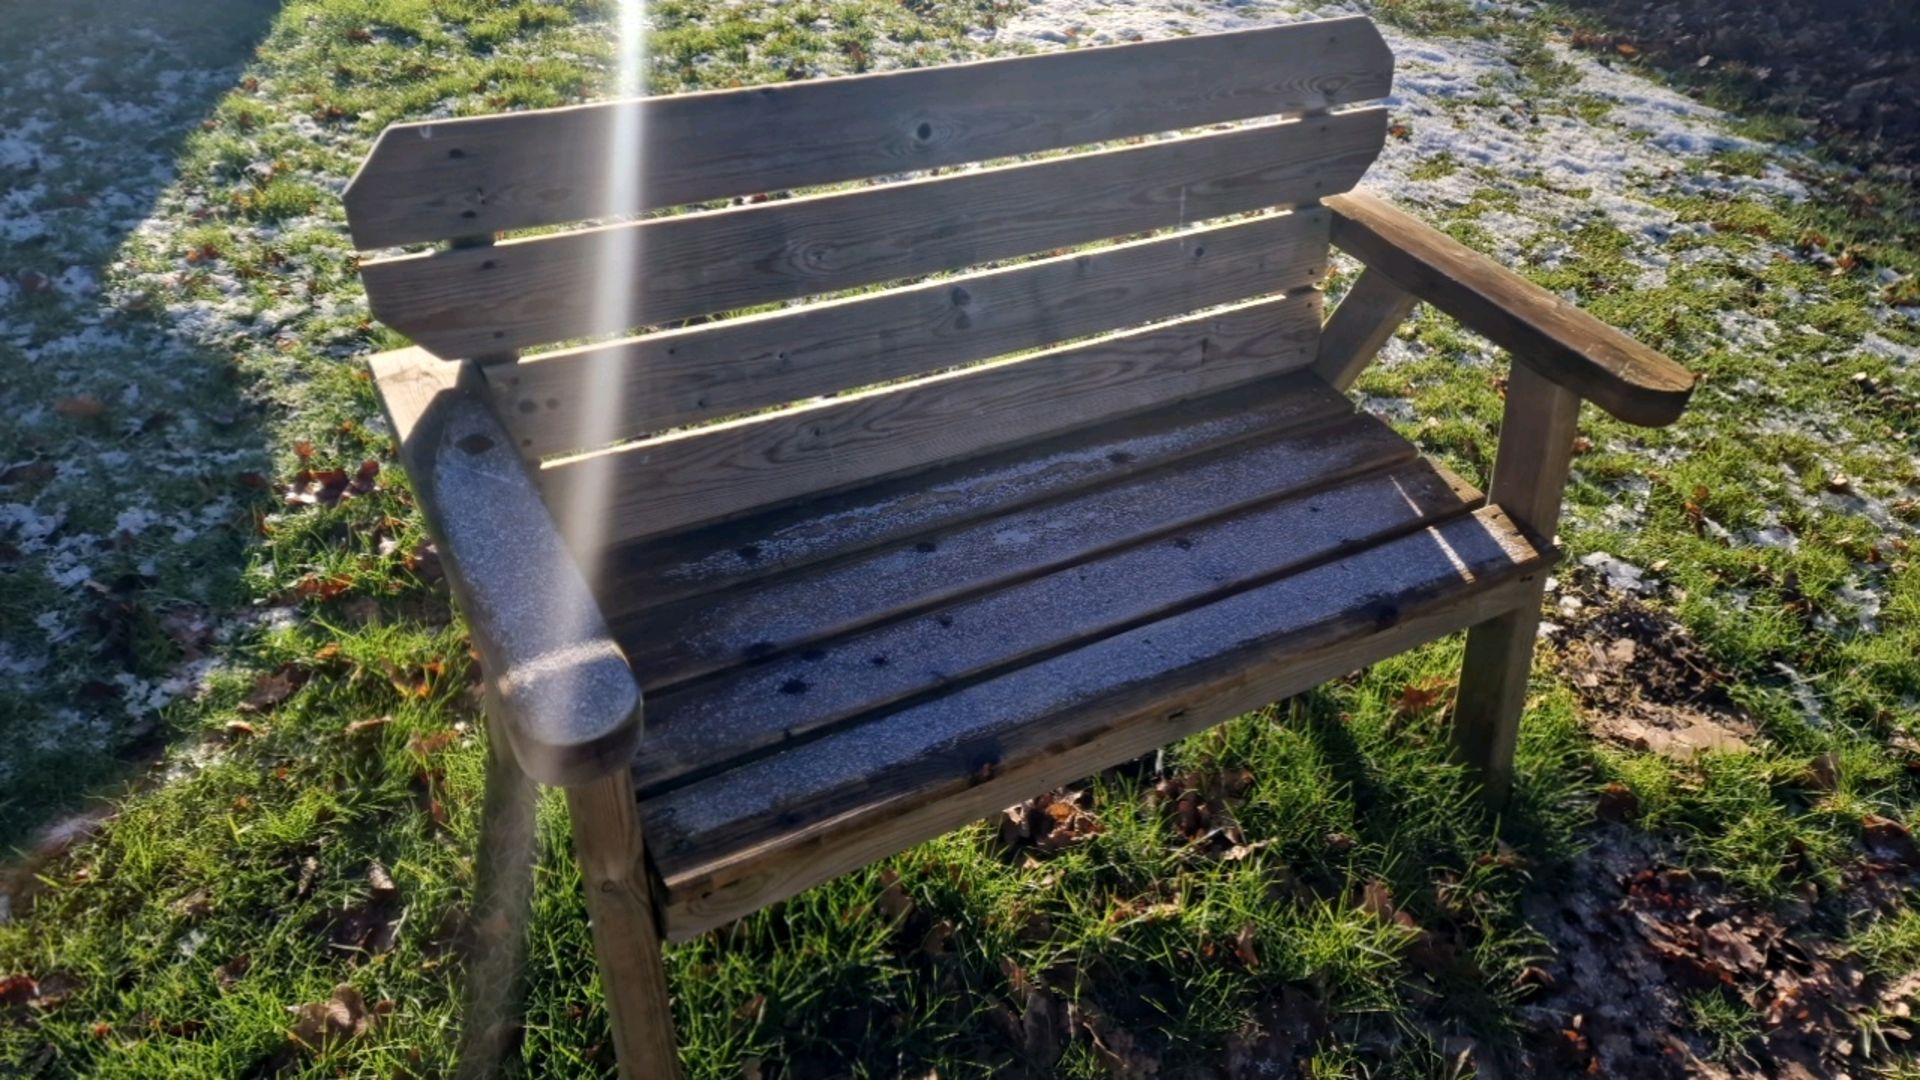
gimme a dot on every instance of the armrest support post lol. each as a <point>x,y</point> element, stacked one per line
<point>557,682</point>
<point>1366,317</point>
<point>1529,475</point>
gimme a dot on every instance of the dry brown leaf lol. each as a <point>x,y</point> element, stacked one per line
<point>1888,839</point>
<point>321,1025</point>
<point>361,727</point>
<point>18,989</point>
<point>1117,1049</point>
<point>1376,899</point>
<point>1243,947</point>
<point>229,973</point>
<point>894,903</point>
<point>271,689</point>
<point>1421,696</point>
<point>1618,803</point>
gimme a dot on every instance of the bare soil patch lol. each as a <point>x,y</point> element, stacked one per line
<point>1644,681</point>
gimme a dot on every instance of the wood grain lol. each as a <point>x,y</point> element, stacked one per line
<point>1545,332</point>
<point>501,912</point>
<point>676,642</point>
<point>527,292</point>
<point>700,562</point>
<point>626,927</point>
<point>741,840</point>
<point>444,178</point>
<point>1361,324</point>
<point>1529,477</point>
<point>713,473</point>
<point>768,707</point>
<point>702,373</point>
<point>570,707</point>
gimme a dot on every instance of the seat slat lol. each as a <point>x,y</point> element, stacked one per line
<point>759,709</point>
<point>713,473</point>
<point>652,572</point>
<point>673,643</point>
<point>474,301</point>
<point>448,178</point>
<point>702,373</point>
<point>749,836</point>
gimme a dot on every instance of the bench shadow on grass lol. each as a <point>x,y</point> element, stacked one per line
<point>124,528</point>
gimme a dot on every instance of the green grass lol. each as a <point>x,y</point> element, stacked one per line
<point>1376,899</point>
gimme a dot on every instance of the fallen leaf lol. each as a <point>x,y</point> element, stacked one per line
<point>894,903</point>
<point>18,990</point>
<point>1888,839</point>
<point>1618,803</point>
<point>29,472</point>
<point>271,689</point>
<point>1042,1027</point>
<point>1627,50</point>
<point>321,1025</point>
<point>1421,696</point>
<point>1116,1048</point>
<point>1376,899</point>
<point>427,745</point>
<point>381,881</point>
<point>1823,774</point>
<point>194,905</point>
<point>751,1011</point>
<point>1243,947</point>
<point>229,973</point>
<point>361,727</point>
<point>79,406</point>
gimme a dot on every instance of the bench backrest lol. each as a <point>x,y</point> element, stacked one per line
<point>706,292</point>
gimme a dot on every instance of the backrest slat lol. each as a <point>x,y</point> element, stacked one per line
<point>734,366</point>
<point>454,178</point>
<point>472,301</point>
<point>1143,220</point>
<point>714,473</point>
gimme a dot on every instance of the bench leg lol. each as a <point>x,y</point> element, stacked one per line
<point>503,902</point>
<point>1529,477</point>
<point>626,935</point>
<point>1493,694</point>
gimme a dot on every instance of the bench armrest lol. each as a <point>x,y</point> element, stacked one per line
<point>1548,334</point>
<point>556,681</point>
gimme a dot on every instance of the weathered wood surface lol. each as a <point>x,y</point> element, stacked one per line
<point>570,704</point>
<point>719,369</point>
<point>1543,331</point>
<point>444,178</point>
<point>1361,324</point>
<point>738,841</point>
<point>1529,476</point>
<point>501,913</point>
<point>673,643</point>
<point>654,572</point>
<point>764,708</point>
<point>626,931</point>
<point>727,470</point>
<point>548,288</point>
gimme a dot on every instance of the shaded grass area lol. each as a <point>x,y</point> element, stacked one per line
<point>1310,884</point>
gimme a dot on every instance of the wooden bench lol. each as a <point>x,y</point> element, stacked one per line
<point>885,563</point>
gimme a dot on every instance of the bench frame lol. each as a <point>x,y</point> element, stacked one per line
<point>563,707</point>
<point>1563,356</point>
